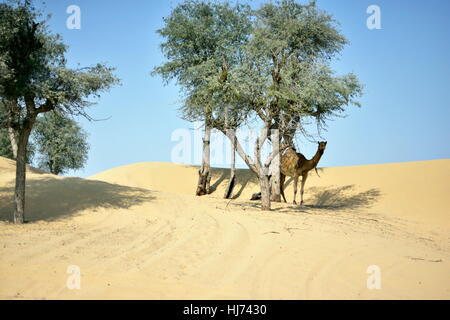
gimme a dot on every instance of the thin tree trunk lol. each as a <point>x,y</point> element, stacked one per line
<point>13,141</point>
<point>204,177</point>
<point>231,133</point>
<point>21,160</point>
<point>274,169</point>
<point>265,192</point>
<point>232,181</point>
<point>12,111</point>
<point>257,167</point>
<point>263,170</point>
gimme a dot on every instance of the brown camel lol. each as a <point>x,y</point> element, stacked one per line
<point>294,164</point>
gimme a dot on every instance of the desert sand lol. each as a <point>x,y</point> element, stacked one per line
<point>138,232</point>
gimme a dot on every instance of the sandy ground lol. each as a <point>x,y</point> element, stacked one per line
<point>137,232</point>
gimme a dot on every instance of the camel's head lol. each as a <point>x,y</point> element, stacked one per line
<point>322,145</point>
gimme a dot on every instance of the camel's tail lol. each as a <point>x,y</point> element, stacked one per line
<point>317,172</point>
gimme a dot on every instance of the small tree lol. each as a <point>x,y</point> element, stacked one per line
<point>7,151</point>
<point>282,77</point>
<point>199,37</point>
<point>5,145</point>
<point>295,43</point>
<point>61,143</point>
<point>34,79</point>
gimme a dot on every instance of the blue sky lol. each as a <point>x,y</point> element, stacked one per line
<point>405,69</point>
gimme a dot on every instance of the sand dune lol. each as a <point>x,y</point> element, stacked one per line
<point>413,190</point>
<point>139,232</point>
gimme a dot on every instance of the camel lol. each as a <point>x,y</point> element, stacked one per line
<point>294,164</point>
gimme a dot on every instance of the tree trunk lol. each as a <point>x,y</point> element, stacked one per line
<point>275,186</point>
<point>274,169</point>
<point>13,141</point>
<point>204,177</point>
<point>232,181</point>
<point>265,192</point>
<point>256,166</point>
<point>21,161</point>
<point>263,170</point>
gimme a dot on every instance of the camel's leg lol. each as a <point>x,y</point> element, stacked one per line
<point>304,177</point>
<point>295,187</point>
<point>282,178</point>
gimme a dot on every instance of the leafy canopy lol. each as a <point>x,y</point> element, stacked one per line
<point>200,37</point>
<point>61,143</point>
<point>283,74</point>
<point>34,77</point>
<point>6,149</point>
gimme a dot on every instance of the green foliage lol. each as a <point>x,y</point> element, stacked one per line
<point>5,145</point>
<point>286,29</point>
<point>34,77</point>
<point>61,143</point>
<point>201,37</point>
<point>198,32</point>
<point>6,149</point>
<point>58,143</point>
<point>285,77</point>
<point>277,64</point>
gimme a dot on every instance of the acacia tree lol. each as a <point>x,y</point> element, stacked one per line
<point>283,77</point>
<point>57,142</point>
<point>279,75</point>
<point>61,143</point>
<point>34,79</point>
<point>200,36</point>
<point>296,42</point>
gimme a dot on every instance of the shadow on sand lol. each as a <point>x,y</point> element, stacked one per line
<point>348,197</point>
<point>50,199</point>
<point>328,198</point>
<point>220,178</point>
<point>337,198</point>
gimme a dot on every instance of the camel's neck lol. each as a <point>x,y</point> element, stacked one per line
<point>315,160</point>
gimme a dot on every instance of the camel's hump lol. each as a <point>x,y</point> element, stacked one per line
<point>290,161</point>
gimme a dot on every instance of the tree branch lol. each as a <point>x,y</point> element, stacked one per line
<point>241,151</point>
<point>47,106</point>
<point>274,153</point>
